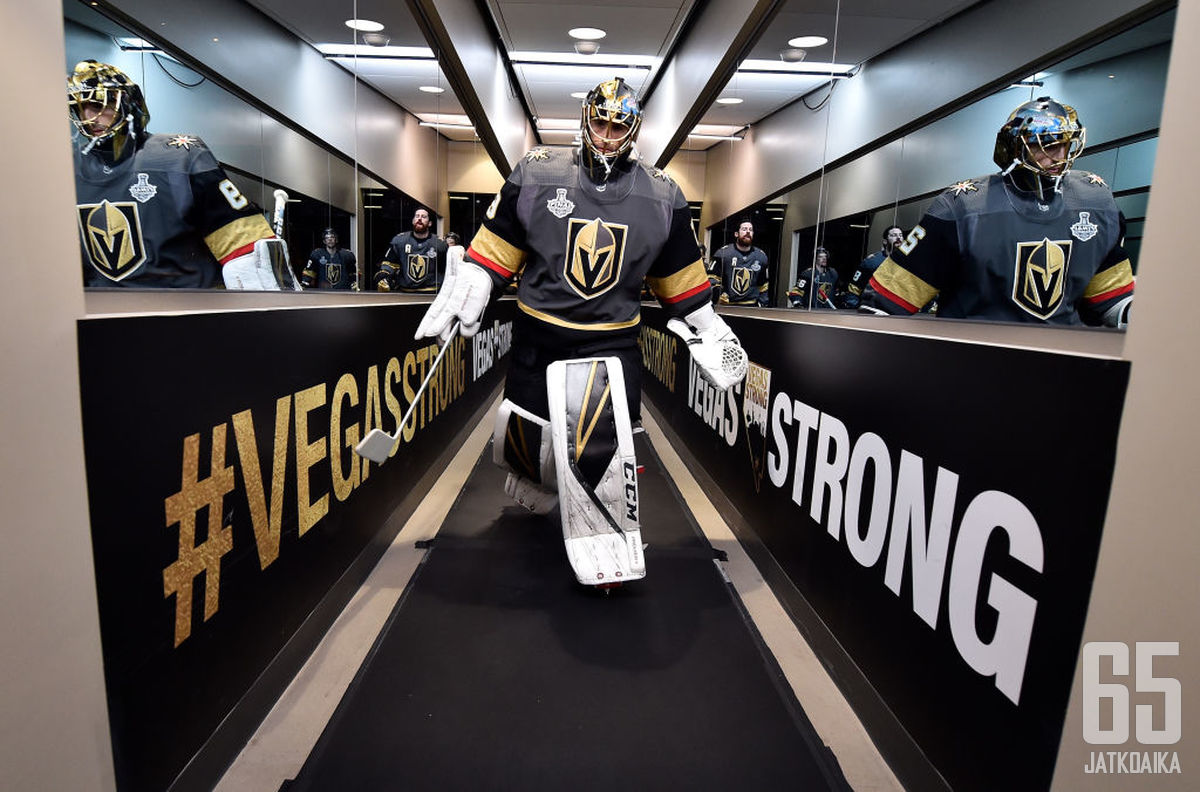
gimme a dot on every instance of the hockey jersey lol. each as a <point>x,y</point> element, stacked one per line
<point>417,265</point>
<point>861,277</point>
<point>804,295</point>
<point>741,276</point>
<point>335,270</point>
<point>166,216</point>
<point>583,250</point>
<point>987,250</point>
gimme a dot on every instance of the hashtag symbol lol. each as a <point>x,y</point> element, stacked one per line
<point>182,509</point>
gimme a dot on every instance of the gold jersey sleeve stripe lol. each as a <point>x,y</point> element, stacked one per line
<point>554,320</point>
<point>900,283</point>
<point>497,251</point>
<point>1115,280</point>
<point>683,284</point>
<point>240,233</point>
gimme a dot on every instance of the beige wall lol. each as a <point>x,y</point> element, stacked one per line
<point>1146,582</point>
<point>688,169</point>
<point>55,723</point>
<point>470,169</point>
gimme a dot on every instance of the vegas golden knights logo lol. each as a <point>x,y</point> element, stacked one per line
<point>418,267</point>
<point>741,280</point>
<point>595,251</point>
<point>333,273</point>
<point>1041,273</point>
<point>112,237</point>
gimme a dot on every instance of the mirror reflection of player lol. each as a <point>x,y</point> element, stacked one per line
<point>1037,242</point>
<point>330,266</point>
<point>740,270</point>
<point>817,286</point>
<point>415,260</point>
<point>158,210</point>
<point>892,237</point>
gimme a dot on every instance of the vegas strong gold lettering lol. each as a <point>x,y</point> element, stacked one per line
<point>344,483</point>
<point>266,522</point>
<point>307,455</point>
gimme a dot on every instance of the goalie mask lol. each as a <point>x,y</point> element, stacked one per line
<point>1038,145</point>
<point>106,107</point>
<point>612,116</point>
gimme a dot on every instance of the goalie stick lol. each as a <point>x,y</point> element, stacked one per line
<point>281,199</point>
<point>283,269</point>
<point>377,445</point>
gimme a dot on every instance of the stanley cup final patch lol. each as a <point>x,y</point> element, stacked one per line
<point>1085,229</point>
<point>143,191</point>
<point>560,206</point>
<point>1039,276</point>
<point>595,252</point>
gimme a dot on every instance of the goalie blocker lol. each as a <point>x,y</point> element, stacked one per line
<point>588,458</point>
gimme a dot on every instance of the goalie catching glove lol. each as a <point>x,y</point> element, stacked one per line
<point>713,345</point>
<point>463,297</point>
<point>262,269</point>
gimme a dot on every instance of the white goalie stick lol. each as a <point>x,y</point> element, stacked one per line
<point>283,269</point>
<point>281,199</point>
<point>378,444</point>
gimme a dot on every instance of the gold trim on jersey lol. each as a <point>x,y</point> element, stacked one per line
<point>904,284</point>
<point>237,234</point>
<point>554,320</point>
<point>497,250</point>
<point>1040,274</point>
<point>112,237</point>
<point>685,280</point>
<point>1115,277</point>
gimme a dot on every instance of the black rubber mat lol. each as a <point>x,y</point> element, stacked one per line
<point>498,671</point>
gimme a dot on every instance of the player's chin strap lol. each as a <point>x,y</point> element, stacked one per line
<point>713,345</point>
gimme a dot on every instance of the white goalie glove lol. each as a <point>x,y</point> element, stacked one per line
<point>463,297</point>
<point>713,345</point>
<point>261,269</point>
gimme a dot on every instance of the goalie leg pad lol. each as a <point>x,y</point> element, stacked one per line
<point>521,445</point>
<point>596,469</point>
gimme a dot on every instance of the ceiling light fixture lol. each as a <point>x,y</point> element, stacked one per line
<point>376,39</point>
<point>587,47</point>
<point>752,66</point>
<point>730,100</point>
<point>588,33</point>
<point>364,25</point>
<point>439,125</point>
<point>433,89</point>
<point>793,55</point>
<point>611,61</point>
<point>808,42</point>
<point>579,95</point>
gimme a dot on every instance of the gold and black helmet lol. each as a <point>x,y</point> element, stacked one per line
<point>616,109</point>
<point>1034,128</point>
<point>105,86</point>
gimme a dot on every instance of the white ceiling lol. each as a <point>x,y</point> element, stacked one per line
<point>857,29</point>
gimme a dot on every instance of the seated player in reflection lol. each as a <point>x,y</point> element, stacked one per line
<point>585,226</point>
<point>817,286</point>
<point>1037,242</point>
<point>158,210</point>
<point>741,270</point>
<point>415,260</point>
<point>330,266</point>
<point>892,236</point>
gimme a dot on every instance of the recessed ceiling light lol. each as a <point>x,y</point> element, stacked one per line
<point>365,25</point>
<point>586,33</point>
<point>729,100</point>
<point>430,89</point>
<point>587,47</point>
<point>579,95</point>
<point>808,41</point>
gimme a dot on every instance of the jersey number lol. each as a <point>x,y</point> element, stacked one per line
<point>914,236</point>
<point>231,193</point>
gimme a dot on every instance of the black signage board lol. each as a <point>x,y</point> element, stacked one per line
<point>939,504</point>
<point>225,499</point>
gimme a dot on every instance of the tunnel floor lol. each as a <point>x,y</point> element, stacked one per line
<point>496,670</point>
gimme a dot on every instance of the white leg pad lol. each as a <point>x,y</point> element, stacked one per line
<point>596,470</point>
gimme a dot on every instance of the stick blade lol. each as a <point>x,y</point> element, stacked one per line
<point>376,446</point>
